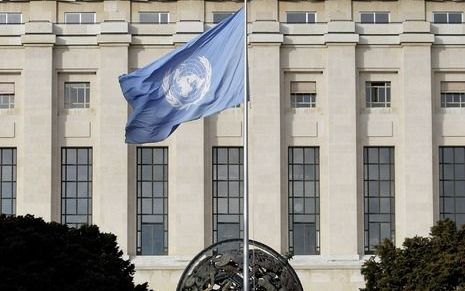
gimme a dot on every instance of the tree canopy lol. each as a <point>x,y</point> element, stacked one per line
<point>36,255</point>
<point>430,263</point>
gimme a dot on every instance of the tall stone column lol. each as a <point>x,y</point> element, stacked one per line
<point>414,198</point>
<point>339,217</point>
<point>265,154</point>
<point>110,191</point>
<point>35,159</point>
<point>187,157</point>
<point>187,195</point>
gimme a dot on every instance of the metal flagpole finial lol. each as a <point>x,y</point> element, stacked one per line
<point>246,156</point>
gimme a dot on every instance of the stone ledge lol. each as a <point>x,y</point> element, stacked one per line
<point>341,26</point>
<point>266,38</point>
<point>341,38</point>
<point>161,262</point>
<point>183,37</point>
<point>189,27</point>
<point>46,39</point>
<point>265,27</point>
<point>114,39</point>
<point>297,262</point>
<point>114,27</point>
<point>416,38</point>
<point>41,27</point>
<point>416,26</point>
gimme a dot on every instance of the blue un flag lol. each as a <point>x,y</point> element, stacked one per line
<point>198,79</point>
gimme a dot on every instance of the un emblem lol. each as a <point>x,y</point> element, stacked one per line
<point>187,83</point>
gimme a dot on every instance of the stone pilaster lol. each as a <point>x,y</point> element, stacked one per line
<point>35,159</point>
<point>339,218</point>
<point>110,194</point>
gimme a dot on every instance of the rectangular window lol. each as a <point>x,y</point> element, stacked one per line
<point>10,18</point>
<point>300,17</point>
<point>378,94</point>
<point>303,94</point>
<point>452,94</point>
<point>378,196</point>
<point>304,200</point>
<point>227,193</point>
<point>152,201</point>
<point>8,181</point>
<point>76,186</point>
<point>374,17</point>
<point>452,184</point>
<point>77,95</point>
<point>153,17</point>
<point>447,17</point>
<point>219,16</point>
<point>7,95</point>
<point>79,17</point>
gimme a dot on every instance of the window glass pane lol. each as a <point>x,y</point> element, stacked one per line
<point>455,17</point>
<point>72,18</point>
<point>148,17</point>
<point>440,17</point>
<point>234,155</point>
<point>7,207</point>
<point>152,236</point>
<point>163,17</point>
<point>367,17</point>
<point>2,18</point>
<point>304,238</point>
<point>219,16</point>
<point>296,17</point>
<point>228,231</point>
<point>87,17</point>
<point>14,18</point>
<point>311,17</point>
<point>382,17</point>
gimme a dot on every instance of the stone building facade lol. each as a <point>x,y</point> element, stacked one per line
<point>357,129</point>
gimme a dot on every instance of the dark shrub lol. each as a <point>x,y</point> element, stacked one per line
<point>432,263</point>
<point>35,255</point>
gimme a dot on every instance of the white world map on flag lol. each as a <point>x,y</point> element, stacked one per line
<point>188,82</point>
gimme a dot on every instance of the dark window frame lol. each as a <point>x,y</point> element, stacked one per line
<point>453,99</point>
<point>236,218</point>
<point>375,14</point>
<point>452,183</point>
<point>69,103</point>
<point>373,97</point>
<point>308,15</point>
<point>80,14</point>
<point>73,183</point>
<point>447,15</point>
<point>158,15</point>
<point>8,15</point>
<point>293,179</point>
<point>303,100</point>
<point>161,218</point>
<point>8,182</point>
<point>373,170</point>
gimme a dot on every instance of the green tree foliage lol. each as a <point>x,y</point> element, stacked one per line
<point>429,264</point>
<point>35,255</point>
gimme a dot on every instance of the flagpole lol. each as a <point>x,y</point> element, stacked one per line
<point>246,159</point>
